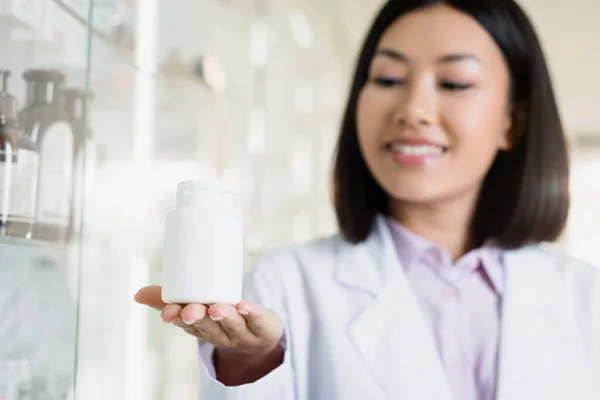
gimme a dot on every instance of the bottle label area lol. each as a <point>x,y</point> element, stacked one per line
<point>56,175</point>
<point>18,183</point>
<point>84,178</point>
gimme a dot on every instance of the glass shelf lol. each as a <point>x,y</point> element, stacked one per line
<point>33,244</point>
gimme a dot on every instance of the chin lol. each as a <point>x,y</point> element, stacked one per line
<point>413,191</point>
<point>413,197</point>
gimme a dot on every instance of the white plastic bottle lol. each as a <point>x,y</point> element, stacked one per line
<point>203,246</point>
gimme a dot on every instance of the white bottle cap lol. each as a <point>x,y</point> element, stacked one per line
<point>204,193</point>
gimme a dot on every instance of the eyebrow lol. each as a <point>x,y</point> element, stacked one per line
<point>401,57</point>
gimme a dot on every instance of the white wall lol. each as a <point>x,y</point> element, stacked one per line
<point>570,33</point>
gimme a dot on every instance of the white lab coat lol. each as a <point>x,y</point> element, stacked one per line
<point>354,330</point>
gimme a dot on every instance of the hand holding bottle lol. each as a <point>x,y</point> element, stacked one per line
<point>247,337</point>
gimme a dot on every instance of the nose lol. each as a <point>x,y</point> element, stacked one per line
<point>417,106</point>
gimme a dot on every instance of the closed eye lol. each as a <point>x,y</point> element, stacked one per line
<point>388,82</point>
<point>453,86</point>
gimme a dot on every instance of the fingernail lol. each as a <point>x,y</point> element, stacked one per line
<point>188,322</point>
<point>243,311</point>
<point>217,318</point>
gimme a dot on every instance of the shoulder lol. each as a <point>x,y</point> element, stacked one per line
<point>319,248</point>
<point>287,272</point>
<point>562,261</point>
<point>560,266</point>
<point>296,258</point>
<point>574,284</point>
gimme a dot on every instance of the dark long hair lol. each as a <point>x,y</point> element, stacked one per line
<point>525,195</point>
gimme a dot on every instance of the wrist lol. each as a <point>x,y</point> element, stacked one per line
<point>236,367</point>
<point>252,355</point>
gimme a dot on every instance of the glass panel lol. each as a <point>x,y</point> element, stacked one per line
<point>42,167</point>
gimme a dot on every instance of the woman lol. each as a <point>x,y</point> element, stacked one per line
<point>451,171</point>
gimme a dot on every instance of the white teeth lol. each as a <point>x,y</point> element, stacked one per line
<point>417,149</point>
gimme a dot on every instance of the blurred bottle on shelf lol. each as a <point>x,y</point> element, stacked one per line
<point>84,155</point>
<point>19,163</point>
<point>46,122</point>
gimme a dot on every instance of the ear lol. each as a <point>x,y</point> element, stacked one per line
<point>514,127</point>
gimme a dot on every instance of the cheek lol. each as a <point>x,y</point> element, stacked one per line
<point>478,127</point>
<point>372,119</point>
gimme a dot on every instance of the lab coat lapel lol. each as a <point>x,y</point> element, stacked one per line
<point>539,353</point>
<point>391,333</point>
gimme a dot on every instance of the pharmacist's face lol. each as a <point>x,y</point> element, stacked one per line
<point>435,109</point>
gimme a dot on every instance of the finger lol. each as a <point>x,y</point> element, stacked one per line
<point>259,320</point>
<point>187,328</point>
<point>171,312</point>
<point>232,323</point>
<point>150,296</point>
<point>193,319</point>
<point>193,313</point>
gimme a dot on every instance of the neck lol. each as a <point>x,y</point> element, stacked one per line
<point>446,224</point>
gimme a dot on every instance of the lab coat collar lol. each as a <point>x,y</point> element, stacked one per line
<point>368,265</point>
<point>390,334</point>
<point>398,346</point>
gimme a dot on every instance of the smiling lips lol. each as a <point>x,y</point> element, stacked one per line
<point>415,152</point>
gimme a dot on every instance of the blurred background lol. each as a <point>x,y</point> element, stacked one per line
<point>250,92</point>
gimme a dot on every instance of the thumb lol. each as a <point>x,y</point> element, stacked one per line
<point>151,296</point>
